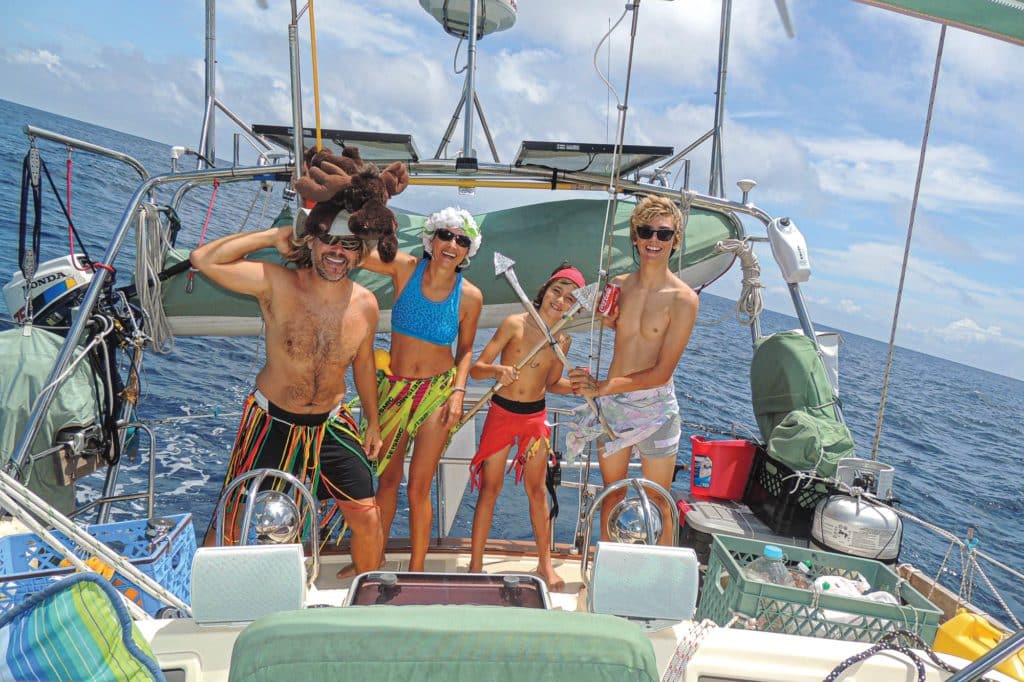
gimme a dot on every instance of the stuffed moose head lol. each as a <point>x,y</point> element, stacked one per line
<point>347,183</point>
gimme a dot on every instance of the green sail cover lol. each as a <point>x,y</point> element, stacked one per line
<point>1002,19</point>
<point>793,404</point>
<point>25,365</point>
<point>537,237</point>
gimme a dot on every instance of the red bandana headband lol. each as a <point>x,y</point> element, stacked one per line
<point>571,274</point>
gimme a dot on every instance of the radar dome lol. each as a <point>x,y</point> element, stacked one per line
<point>453,15</point>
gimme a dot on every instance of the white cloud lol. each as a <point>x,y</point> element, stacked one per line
<point>848,306</point>
<point>521,73</point>
<point>884,170</point>
<point>43,58</point>
<point>967,330</point>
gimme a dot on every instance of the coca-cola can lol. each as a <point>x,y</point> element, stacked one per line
<point>609,302</point>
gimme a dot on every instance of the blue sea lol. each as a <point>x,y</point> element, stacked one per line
<point>952,432</point>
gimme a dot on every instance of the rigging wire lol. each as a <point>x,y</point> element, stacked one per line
<point>906,248</point>
<point>611,208</point>
<point>71,226</point>
<point>202,234</point>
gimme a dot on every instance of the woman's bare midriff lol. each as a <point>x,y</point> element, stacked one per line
<point>415,359</point>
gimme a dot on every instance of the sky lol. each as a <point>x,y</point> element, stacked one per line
<point>829,123</point>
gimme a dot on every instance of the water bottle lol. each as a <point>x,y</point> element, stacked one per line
<point>770,568</point>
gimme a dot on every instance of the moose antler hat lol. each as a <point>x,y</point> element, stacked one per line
<point>347,183</point>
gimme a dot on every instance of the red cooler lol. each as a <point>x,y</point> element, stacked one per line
<point>719,468</point>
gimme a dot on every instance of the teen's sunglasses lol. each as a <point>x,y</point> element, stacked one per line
<point>347,243</point>
<point>446,235</point>
<point>646,232</point>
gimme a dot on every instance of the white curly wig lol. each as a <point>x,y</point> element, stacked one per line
<point>454,219</point>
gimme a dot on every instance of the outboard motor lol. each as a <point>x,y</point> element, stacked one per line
<point>55,288</point>
<point>854,524</point>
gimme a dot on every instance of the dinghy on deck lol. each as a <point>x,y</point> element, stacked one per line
<point>538,237</point>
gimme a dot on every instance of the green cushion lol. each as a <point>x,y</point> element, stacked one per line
<point>441,643</point>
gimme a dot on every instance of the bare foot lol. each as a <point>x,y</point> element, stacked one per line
<point>350,571</point>
<point>554,581</point>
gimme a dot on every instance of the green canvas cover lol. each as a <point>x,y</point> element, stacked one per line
<point>448,643</point>
<point>787,375</point>
<point>1002,19</point>
<point>537,237</point>
<point>804,442</point>
<point>25,364</point>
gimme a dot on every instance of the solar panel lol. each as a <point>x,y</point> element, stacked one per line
<point>579,157</point>
<point>379,148</point>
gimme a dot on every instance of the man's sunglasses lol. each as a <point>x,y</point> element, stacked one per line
<point>347,243</point>
<point>646,232</point>
<point>446,235</point>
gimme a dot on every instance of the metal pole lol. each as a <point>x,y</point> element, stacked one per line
<point>808,328</point>
<point>443,147</point>
<point>487,130</point>
<point>716,187</point>
<point>470,93</point>
<point>678,157</point>
<point>241,124</point>
<point>32,131</point>
<point>209,148</point>
<point>293,51</point>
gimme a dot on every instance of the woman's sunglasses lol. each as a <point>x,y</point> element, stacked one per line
<point>446,235</point>
<point>646,232</point>
<point>347,243</point>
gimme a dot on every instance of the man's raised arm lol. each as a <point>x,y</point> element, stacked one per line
<point>223,260</point>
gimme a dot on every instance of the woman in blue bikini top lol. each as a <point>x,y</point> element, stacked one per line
<point>421,397</point>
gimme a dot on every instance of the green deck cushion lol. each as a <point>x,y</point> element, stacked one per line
<point>442,643</point>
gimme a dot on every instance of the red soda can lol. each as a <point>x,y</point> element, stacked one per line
<point>609,302</point>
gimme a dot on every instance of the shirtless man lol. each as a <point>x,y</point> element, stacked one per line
<point>655,316</point>
<point>518,412</point>
<point>318,323</point>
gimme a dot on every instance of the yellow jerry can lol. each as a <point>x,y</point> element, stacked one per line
<point>970,636</point>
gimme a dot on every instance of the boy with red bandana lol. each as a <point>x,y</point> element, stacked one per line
<point>518,412</point>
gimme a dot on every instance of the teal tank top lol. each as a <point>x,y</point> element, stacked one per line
<point>413,314</point>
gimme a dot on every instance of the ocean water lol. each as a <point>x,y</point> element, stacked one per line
<point>953,432</point>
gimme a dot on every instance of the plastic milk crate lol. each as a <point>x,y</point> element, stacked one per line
<point>778,496</point>
<point>28,564</point>
<point>774,608</point>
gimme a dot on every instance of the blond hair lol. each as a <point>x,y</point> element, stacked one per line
<point>654,207</point>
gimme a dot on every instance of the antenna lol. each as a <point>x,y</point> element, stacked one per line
<point>457,17</point>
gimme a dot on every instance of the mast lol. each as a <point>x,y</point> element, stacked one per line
<point>470,95</point>
<point>208,141</point>
<point>716,186</point>
<point>293,51</point>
